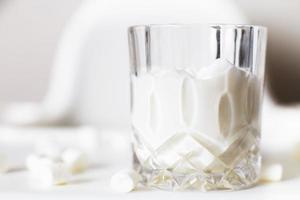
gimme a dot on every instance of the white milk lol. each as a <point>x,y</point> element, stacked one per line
<point>202,114</point>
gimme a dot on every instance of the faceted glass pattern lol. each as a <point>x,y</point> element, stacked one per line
<point>196,94</point>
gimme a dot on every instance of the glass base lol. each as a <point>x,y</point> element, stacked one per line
<point>244,175</point>
<point>187,174</point>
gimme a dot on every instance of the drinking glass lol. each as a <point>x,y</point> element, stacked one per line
<point>196,94</point>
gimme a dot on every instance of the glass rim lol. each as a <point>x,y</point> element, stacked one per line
<point>209,25</point>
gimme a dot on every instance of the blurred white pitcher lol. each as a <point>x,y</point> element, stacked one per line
<point>89,82</point>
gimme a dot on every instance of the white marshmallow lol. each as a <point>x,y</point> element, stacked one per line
<point>272,173</point>
<point>215,69</point>
<point>54,174</point>
<point>3,164</point>
<point>124,181</point>
<point>47,171</point>
<point>75,160</point>
<point>32,162</point>
<point>221,94</point>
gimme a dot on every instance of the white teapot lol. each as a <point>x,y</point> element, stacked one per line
<point>90,76</point>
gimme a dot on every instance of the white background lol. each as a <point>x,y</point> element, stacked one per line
<point>30,31</point>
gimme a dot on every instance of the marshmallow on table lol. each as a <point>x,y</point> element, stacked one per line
<point>124,181</point>
<point>47,171</point>
<point>272,173</point>
<point>75,160</point>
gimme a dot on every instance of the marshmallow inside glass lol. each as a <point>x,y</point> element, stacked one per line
<point>196,93</point>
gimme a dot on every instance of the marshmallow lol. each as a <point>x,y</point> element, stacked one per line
<point>221,95</point>
<point>47,171</point>
<point>75,160</point>
<point>32,162</point>
<point>272,173</point>
<point>124,181</point>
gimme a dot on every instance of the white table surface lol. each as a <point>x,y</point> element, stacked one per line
<point>94,184</point>
<point>281,130</point>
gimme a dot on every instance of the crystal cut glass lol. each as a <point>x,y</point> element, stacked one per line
<point>196,93</point>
